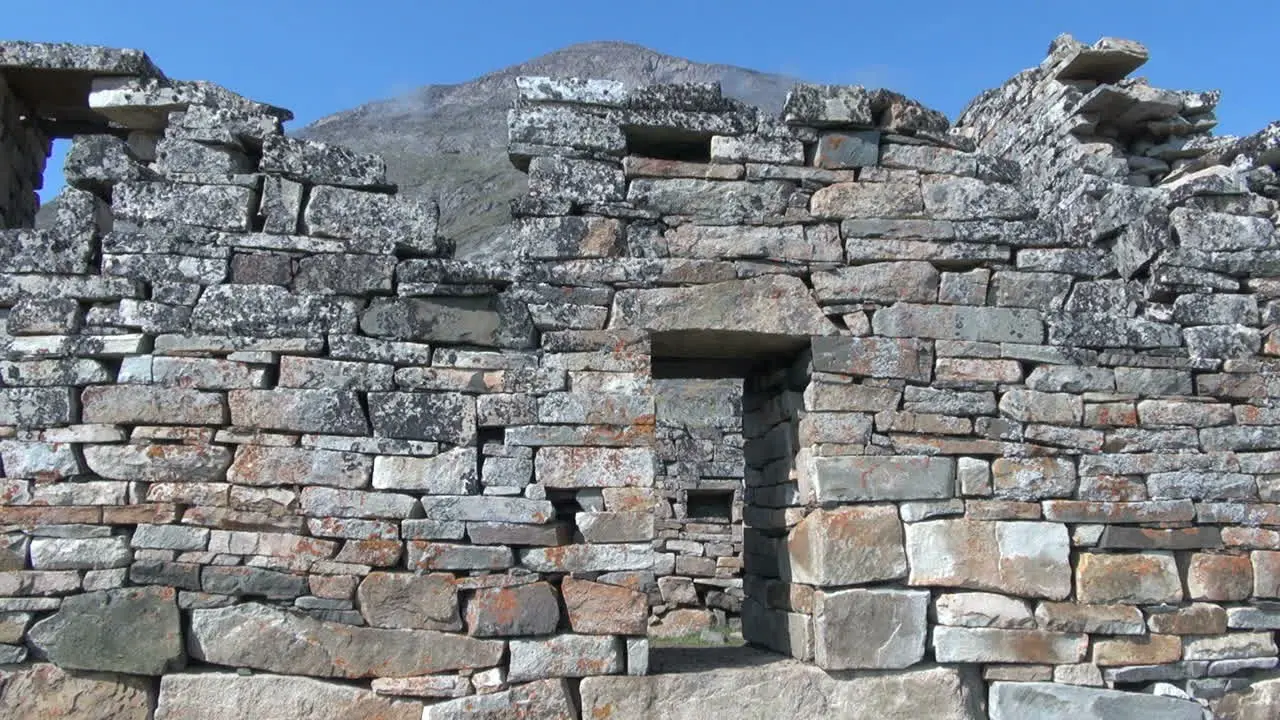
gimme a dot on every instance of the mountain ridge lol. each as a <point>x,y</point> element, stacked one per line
<point>448,142</point>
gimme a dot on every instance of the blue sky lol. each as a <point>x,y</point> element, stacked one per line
<point>320,56</point>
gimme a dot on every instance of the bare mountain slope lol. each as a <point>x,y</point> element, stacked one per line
<point>449,141</point>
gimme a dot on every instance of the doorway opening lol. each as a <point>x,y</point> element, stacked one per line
<point>726,434</point>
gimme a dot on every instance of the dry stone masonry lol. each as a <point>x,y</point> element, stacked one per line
<point>978,421</point>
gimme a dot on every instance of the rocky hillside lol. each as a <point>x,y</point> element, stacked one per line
<point>449,141</point>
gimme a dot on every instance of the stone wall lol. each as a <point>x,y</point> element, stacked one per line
<point>700,471</point>
<point>23,150</point>
<point>1005,410</point>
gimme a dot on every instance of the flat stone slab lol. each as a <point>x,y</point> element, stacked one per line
<point>132,630</point>
<point>782,689</point>
<point>1053,701</point>
<point>197,696</point>
<point>267,638</point>
<point>46,691</point>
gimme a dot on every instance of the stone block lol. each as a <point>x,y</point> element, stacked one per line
<point>425,556</point>
<point>565,656</point>
<point>416,602</point>
<point>988,645</point>
<point>189,696</point>
<point>872,478</point>
<point>130,630</point>
<point>588,558</point>
<point>891,628</point>
<point>579,467</point>
<point>452,472</point>
<point>1219,578</point>
<point>959,322</point>
<point>1142,578</point>
<point>334,212</point>
<point>1048,701</point>
<point>250,635</point>
<point>263,466</point>
<point>443,417</point>
<point>1144,650</point>
<point>44,690</point>
<point>601,609</point>
<point>847,546</point>
<point>309,411</point>
<point>1033,478</point>
<point>550,699</point>
<point>907,359</point>
<point>149,405</point>
<point>90,553</point>
<point>1030,559</point>
<point>978,609</point>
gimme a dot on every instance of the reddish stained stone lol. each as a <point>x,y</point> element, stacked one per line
<point>600,609</point>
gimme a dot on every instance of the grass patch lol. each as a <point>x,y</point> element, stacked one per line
<point>697,639</point>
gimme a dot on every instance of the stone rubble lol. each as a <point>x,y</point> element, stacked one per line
<point>990,410</point>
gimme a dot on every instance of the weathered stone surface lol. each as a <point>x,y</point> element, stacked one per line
<point>968,645</point>
<point>767,305</point>
<point>532,609</point>
<point>189,696</point>
<point>868,200</point>
<point>958,322</point>
<point>260,465</point>
<point>856,479</point>
<point>133,630</point>
<point>44,690</point>
<point>251,635</point>
<point>145,405</point>
<point>983,610</point>
<point>313,411</point>
<point>1033,478</point>
<point>716,202</point>
<point>1049,701</point>
<point>588,558</point>
<point>1135,579</point>
<point>1030,559</point>
<point>908,359</point>
<point>344,213</point>
<point>452,472</point>
<point>577,467</point>
<point>332,502</point>
<point>565,656</point>
<point>400,600</point>
<point>550,699</point>
<point>1138,650</point>
<point>935,692</point>
<point>90,553</point>
<point>796,243</point>
<point>881,282</point>
<point>1079,618</point>
<point>599,609</point>
<point>159,463</point>
<point>218,207</point>
<point>442,417</point>
<point>891,628</point>
<point>847,546</point>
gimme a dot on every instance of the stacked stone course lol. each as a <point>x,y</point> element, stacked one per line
<point>1004,433</point>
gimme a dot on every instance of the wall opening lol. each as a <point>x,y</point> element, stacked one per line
<point>668,144</point>
<point>725,431</point>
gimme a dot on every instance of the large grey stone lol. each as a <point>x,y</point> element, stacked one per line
<point>847,546</point>
<point>880,628</point>
<point>192,696</point>
<point>267,638</point>
<point>1031,559</point>
<point>778,305</point>
<point>1052,701</point>
<point>1256,701</point>
<point>309,411</point>
<point>471,321</point>
<point>756,691</point>
<point>714,202</point>
<point>819,105</point>
<point>158,463</point>
<point>147,405</point>
<point>219,207</point>
<point>443,417</point>
<point>860,478</point>
<point>452,472</point>
<point>44,690</point>
<point>583,467</point>
<point>262,465</point>
<point>130,630</point>
<point>998,645</point>
<point>565,656</point>
<point>404,600</point>
<point>959,322</point>
<point>879,282</point>
<point>321,164</point>
<point>344,213</point>
<point>269,311</point>
<point>789,242</point>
